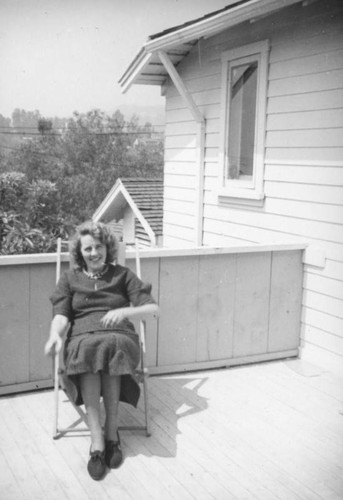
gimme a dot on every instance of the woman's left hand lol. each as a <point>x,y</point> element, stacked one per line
<point>113,317</point>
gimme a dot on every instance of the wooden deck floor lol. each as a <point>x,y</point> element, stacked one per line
<point>266,431</point>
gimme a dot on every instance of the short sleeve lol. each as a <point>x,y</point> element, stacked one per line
<point>61,299</point>
<point>139,292</point>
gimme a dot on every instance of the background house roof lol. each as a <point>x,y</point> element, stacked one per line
<point>148,196</point>
<point>145,198</point>
<point>177,41</point>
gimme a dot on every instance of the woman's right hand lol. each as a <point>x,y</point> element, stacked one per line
<point>59,326</point>
<point>53,346</point>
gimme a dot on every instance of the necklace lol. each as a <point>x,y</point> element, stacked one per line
<point>96,276</point>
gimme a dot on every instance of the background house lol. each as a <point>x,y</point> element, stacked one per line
<point>254,141</point>
<point>134,207</point>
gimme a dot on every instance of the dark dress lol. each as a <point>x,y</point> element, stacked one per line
<point>91,347</point>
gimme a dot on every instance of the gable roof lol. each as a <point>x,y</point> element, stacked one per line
<point>148,196</point>
<point>143,196</point>
<point>176,42</point>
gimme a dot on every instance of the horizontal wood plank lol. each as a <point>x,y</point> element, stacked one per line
<point>325,322</point>
<point>324,303</point>
<point>329,80</point>
<point>305,210</point>
<point>322,175</point>
<point>315,101</point>
<point>307,65</point>
<point>323,119</point>
<point>312,193</point>
<point>325,138</point>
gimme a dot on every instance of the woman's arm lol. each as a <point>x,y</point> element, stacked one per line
<point>115,316</point>
<point>59,326</point>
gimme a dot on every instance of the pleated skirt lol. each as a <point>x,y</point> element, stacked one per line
<point>112,353</point>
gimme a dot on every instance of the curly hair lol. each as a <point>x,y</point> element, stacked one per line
<point>97,230</point>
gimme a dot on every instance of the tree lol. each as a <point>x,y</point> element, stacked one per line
<point>34,225</point>
<point>68,172</point>
<point>25,119</point>
<point>44,126</point>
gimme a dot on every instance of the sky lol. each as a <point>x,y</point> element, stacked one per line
<point>61,56</point>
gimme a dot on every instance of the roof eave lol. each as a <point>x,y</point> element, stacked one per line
<point>202,28</point>
<point>106,203</point>
<point>134,69</point>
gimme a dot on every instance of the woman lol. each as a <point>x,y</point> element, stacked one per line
<point>93,302</point>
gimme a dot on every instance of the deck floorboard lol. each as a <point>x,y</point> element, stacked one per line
<point>268,431</point>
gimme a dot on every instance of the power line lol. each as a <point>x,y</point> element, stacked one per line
<point>32,152</point>
<point>8,147</point>
<point>40,153</point>
<point>52,134</point>
<point>26,127</point>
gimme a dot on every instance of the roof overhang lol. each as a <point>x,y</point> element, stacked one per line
<point>147,67</point>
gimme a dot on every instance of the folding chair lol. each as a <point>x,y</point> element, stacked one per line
<point>142,373</point>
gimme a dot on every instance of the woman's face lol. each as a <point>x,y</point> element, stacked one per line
<point>94,253</point>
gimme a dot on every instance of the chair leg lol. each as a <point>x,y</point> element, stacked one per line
<point>146,404</point>
<point>58,382</point>
<point>145,382</point>
<point>79,410</point>
<point>55,366</point>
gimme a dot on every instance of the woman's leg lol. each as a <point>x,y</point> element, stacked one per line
<point>111,393</point>
<point>90,384</point>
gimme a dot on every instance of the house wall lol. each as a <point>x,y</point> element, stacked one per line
<point>303,177</point>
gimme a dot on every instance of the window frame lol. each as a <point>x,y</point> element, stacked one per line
<point>242,190</point>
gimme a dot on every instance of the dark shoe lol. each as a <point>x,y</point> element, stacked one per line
<point>96,465</point>
<point>113,453</point>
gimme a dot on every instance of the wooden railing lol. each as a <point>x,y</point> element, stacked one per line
<point>219,307</point>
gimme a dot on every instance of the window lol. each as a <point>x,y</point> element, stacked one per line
<point>244,89</point>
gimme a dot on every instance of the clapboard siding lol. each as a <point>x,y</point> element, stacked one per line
<point>312,43</point>
<point>180,168</point>
<point>325,175</point>
<point>310,155</point>
<point>327,99</point>
<point>311,211</point>
<point>176,241</point>
<point>324,303</point>
<point>180,207</point>
<point>307,64</point>
<point>181,235</point>
<point>184,115</point>
<point>325,138</point>
<point>252,226</point>
<point>288,225</point>
<point>179,154</point>
<point>324,322</point>
<point>312,192</point>
<point>329,80</point>
<point>183,141</point>
<point>171,193</point>
<point>322,119</point>
<point>303,157</point>
<point>187,127</point>
<point>327,286</point>
<point>324,339</point>
<point>201,98</point>
<point>188,221</point>
<point>333,269</point>
<point>187,181</point>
